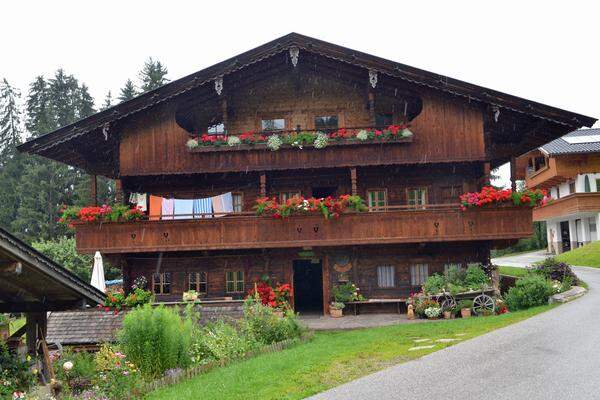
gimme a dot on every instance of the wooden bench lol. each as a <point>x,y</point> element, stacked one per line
<point>356,304</point>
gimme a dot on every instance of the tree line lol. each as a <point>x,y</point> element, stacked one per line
<point>32,188</point>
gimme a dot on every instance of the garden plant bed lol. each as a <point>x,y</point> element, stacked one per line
<point>332,358</point>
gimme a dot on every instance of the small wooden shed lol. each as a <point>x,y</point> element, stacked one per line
<point>33,284</point>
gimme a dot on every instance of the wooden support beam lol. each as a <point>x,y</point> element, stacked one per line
<point>224,113</point>
<point>263,185</point>
<point>513,173</point>
<point>119,194</point>
<point>353,181</point>
<point>11,268</point>
<point>94,189</point>
<point>487,171</point>
<point>38,307</point>
<point>326,284</point>
<point>371,100</point>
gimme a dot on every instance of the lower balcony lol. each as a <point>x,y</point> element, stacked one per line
<point>433,223</point>
<point>573,204</point>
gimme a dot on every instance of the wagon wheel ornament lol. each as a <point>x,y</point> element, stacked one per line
<point>483,303</point>
<point>446,301</point>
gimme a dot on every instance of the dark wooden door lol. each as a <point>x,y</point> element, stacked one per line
<point>565,236</point>
<point>308,286</point>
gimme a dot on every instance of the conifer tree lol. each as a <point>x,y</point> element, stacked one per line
<point>107,101</point>
<point>153,75</point>
<point>128,92</point>
<point>10,121</point>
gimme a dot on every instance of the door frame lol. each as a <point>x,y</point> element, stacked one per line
<point>326,293</point>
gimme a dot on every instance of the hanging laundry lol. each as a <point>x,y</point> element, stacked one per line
<point>202,206</point>
<point>168,206</point>
<point>155,211</point>
<point>222,204</point>
<point>183,209</point>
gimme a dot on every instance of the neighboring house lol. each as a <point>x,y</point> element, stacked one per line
<point>569,169</point>
<point>294,84</point>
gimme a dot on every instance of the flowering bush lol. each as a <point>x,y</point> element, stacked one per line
<point>116,301</point>
<point>104,213</point>
<point>433,312</point>
<point>490,195</point>
<point>140,282</point>
<point>261,324</point>
<point>117,377</point>
<point>275,297</point>
<point>329,207</point>
<point>190,295</point>
<point>14,373</point>
<point>346,292</point>
<point>301,139</point>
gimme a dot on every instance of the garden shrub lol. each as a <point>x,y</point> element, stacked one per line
<point>434,284</point>
<point>455,275</point>
<point>116,376</point>
<point>265,327</point>
<point>532,290</point>
<point>79,377</point>
<point>556,270</point>
<point>346,292</point>
<point>14,374</point>
<point>220,341</point>
<point>156,339</point>
<point>475,277</point>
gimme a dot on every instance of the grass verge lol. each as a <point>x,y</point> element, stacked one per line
<point>330,359</point>
<point>513,271</point>
<point>588,256</point>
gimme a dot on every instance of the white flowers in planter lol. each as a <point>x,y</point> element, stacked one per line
<point>192,144</point>
<point>406,133</point>
<point>433,312</point>
<point>362,135</point>
<point>233,141</point>
<point>321,140</point>
<point>274,142</point>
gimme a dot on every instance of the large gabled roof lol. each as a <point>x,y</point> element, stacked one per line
<point>582,141</point>
<point>30,281</point>
<point>304,43</point>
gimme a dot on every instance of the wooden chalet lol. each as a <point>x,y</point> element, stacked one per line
<point>569,169</point>
<point>457,133</point>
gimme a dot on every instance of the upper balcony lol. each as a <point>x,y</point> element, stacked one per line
<point>573,204</point>
<point>395,224</point>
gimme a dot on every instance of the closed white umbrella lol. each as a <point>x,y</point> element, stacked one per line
<point>98,273</point>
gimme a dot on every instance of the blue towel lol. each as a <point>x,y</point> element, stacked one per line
<point>183,209</point>
<point>202,206</point>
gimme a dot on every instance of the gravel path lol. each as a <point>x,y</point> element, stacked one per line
<point>554,355</point>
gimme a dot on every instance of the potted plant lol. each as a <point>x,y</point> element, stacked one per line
<point>433,312</point>
<point>4,327</point>
<point>335,309</point>
<point>465,308</point>
<point>449,313</point>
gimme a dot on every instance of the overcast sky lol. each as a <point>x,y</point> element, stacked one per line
<point>541,50</point>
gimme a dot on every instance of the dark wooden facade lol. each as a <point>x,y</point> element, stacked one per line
<point>460,131</point>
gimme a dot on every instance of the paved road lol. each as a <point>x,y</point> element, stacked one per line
<point>554,355</point>
<point>521,260</point>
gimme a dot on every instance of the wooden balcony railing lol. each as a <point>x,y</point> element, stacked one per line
<point>568,205</point>
<point>432,223</point>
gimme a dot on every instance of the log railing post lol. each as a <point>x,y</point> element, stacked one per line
<point>94,189</point>
<point>513,173</point>
<point>263,185</point>
<point>353,181</point>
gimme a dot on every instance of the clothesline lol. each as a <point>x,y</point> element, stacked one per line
<point>172,208</point>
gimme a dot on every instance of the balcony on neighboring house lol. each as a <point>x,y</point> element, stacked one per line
<point>394,224</point>
<point>569,205</point>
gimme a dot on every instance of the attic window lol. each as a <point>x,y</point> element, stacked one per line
<point>276,124</point>
<point>216,129</point>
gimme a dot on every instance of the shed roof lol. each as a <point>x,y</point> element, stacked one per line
<point>83,327</point>
<point>30,281</point>
<point>581,141</point>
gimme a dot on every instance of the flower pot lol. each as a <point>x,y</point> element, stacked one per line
<point>335,313</point>
<point>447,314</point>
<point>465,312</point>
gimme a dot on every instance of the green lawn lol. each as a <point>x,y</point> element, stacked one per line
<point>588,255</point>
<point>330,359</point>
<point>513,271</point>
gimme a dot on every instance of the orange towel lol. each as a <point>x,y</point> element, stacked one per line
<point>155,207</point>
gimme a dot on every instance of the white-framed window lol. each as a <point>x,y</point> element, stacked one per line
<point>161,283</point>
<point>238,201</point>
<point>386,276</point>
<point>376,199</point>
<point>416,196</point>
<point>234,281</point>
<point>198,282</point>
<point>274,124</point>
<point>418,274</point>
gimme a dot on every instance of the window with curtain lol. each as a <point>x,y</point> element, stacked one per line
<point>234,281</point>
<point>275,124</point>
<point>418,274</point>
<point>238,202</point>
<point>326,123</point>
<point>198,282</point>
<point>416,196</point>
<point>161,283</point>
<point>285,196</point>
<point>587,184</point>
<point>386,275</point>
<point>376,199</point>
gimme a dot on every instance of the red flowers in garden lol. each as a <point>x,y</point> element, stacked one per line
<point>329,207</point>
<point>491,195</point>
<point>276,297</point>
